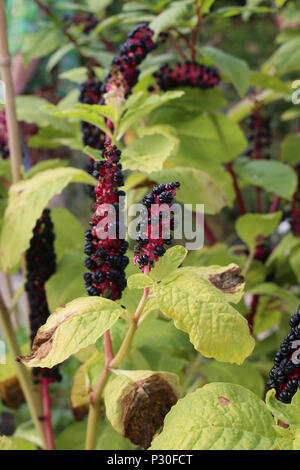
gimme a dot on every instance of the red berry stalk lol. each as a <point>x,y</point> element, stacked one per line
<point>4,150</point>
<point>106,260</point>
<point>40,264</point>
<point>189,74</point>
<point>285,375</point>
<point>156,221</point>
<point>260,134</point>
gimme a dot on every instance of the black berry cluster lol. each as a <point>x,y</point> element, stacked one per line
<point>189,74</point>
<point>40,264</point>
<point>295,211</point>
<point>285,375</point>
<point>260,135</point>
<point>87,21</point>
<point>124,72</point>
<point>104,244</point>
<point>157,222</point>
<point>4,150</point>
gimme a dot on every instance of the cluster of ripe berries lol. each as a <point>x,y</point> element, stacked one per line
<point>189,74</point>
<point>285,375</point>
<point>295,211</point>
<point>260,135</point>
<point>156,223</point>
<point>90,93</point>
<point>4,150</point>
<point>40,264</point>
<point>88,21</point>
<point>104,244</point>
<point>124,72</point>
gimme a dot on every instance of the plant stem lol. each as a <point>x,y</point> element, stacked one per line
<point>22,372</point>
<point>47,413</point>
<point>95,396</point>
<point>207,232</point>
<point>178,48</point>
<point>248,262</point>
<point>275,204</point>
<point>238,194</point>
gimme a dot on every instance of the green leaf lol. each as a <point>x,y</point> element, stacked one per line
<point>286,59</point>
<point>69,234</point>
<point>245,375</point>
<point>40,43</point>
<point>168,263</point>
<point>58,55</point>
<point>215,417</point>
<point>251,226</point>
<point>148,153</point>
<point>31,109</point>
<point>71,328</point>
<point>291,148</point>
<point>77,112</point>
<point>289,414</point>
<point>295,261</point>
<point>215,328</point>
<point>175,14</point>
<point>79,75</point>
<point>139,281</point>
<point>263,80</point>
<point>273,176</point>
<point>236,69</point>
<point>196,187</point>
<point>5,170</point>
<point>273,290</point>
<point>45,165</point>
<point>27,199</point>
<point>15,443</point>
<point>70,266</point>
<point>144,107</point>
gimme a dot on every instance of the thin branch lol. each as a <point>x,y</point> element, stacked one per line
<point>238,194</point>
<point>178,48</point>
<point>47,413</point>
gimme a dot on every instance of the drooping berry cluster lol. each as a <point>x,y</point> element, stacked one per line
<point>124,72</point>
<point>156,223</point>
<point>295,211</point>
<point>285,375</point>
<point>4,150</point>
<point>104,244</point>
<point>189,74</point>
<point>90,93</point>
<point>40,264</point>
<point>87,21</point>
<point>260,134</point>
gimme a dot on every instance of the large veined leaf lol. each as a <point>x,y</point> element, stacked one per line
<point>175,13</point>
<point>196,187</point>
<point>41,43</point>
<point>215,328</point>
<point>45,165</point>
<point>291,148</point>
<point>71,328</point>
<point>286,58</point>
<point>236,69</point>
<point>30,109</point>
<point>250,226</point>
<point>148,153</point>
<point>27,199</point>
<point>69,234</point>
<point>215,417</point>
<point>275,177</point>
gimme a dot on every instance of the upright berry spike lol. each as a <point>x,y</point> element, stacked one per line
<point>155,224</point>
<point>124,72</point>
<point>106,260</point>
<point>189,74</point>
<point>285,374</point>
<point>40,264</point>
<point>260,134</point>
<point>4,149</point>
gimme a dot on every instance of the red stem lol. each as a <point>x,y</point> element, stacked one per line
<point>47,413</point>
<point>274,205</point>
<point>178,49</point>
<point>109,355</point>
<point>253,307</point>
<point>239,197</point>
<point>207,232</point>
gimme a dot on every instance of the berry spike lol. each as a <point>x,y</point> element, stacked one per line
<point>285,374</point>
<point>189,74</point>
<point>4,149</point>
<point>40,264</point>
<point>124,72</point>
<point>106,260</point>
<point>156,225</point>
<point>260,134</point>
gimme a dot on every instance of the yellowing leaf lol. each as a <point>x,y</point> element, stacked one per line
<point>215,328</point>
<point>71,328</point>
<point>27,199</point>
<point>215,417</point>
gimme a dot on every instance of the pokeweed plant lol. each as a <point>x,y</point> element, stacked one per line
<point>184,364</point>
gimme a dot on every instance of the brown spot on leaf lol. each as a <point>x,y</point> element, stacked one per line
<point>79,412</point>
<point>11,392</point>
<point>144,409</point>
<point>223,401</point>
<point>42,345</point>
<point>228,281</point>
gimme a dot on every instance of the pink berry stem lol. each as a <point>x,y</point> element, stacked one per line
<point>47,413</point>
